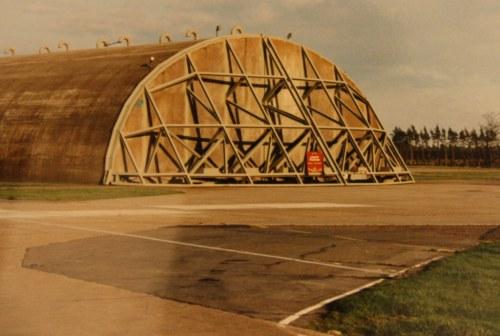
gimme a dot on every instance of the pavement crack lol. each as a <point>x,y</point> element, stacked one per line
<point>319,251</point>
<point>304,256</point>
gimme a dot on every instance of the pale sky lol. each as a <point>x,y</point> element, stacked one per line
<point>419,62</point>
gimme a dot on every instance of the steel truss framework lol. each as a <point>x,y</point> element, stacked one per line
<point>251,128</point>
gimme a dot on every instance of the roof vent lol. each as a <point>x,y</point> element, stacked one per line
<point>237,30</point>
<point>101,44</point>
<point>126,39</point>
<point>44,49</point>
<point>165,38</point>
<point>11,51</point>
<point>192,33</point>
<point>64,45</point>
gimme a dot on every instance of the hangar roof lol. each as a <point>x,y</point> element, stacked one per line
<point>58,109</point>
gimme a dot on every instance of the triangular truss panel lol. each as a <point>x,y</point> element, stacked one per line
<point>251,110</point>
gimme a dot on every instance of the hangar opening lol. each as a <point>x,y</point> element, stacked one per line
<point>238,109</point>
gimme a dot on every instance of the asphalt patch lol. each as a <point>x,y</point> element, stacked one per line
<point>255,286</point>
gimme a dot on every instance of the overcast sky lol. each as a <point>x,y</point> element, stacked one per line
<point>419,62</point>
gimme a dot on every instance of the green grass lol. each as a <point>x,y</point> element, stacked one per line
<point>62,192</point>
<point>480,175</point>
<point>459,295</point>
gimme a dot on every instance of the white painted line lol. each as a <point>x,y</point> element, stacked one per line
<point>425,247</point>
<point>349,238</point>
<point>419,265</point>
<point>256,206</point>
<point>214,248</point>
<point>297,231</point>
<point>286,321</point>
<point>174,209</point>
<point>297,315</point>
<point>11,214</point>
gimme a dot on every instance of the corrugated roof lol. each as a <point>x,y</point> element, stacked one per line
<point>57,110</point>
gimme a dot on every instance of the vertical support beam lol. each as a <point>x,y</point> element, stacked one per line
<point>209,150</point>
<point>397,154</point>
<point>264,112</point>
<point>224,153</point>
<point>340,115</point>
<point>303,108</point>
<point>375,139</point>
<point>212,106</point>
<point>131,155</point>
<point>269,154</point>
<point>150,98</point>
<point>152,153</point>
<point>255,145</point>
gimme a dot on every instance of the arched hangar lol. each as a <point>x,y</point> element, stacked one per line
<point>240,109</point>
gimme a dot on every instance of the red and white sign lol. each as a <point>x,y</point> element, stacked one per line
<point>314,163</point>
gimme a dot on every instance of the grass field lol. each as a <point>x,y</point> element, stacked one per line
<point>42,192</point>
<point>62,192</point>
<point>459,295</point>
<point>456,174</point>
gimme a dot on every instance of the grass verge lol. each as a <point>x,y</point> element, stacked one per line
<point>459,295</point>
<point>75,193</point>
<point>456,174</point>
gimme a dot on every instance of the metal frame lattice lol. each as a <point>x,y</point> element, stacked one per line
<point>223,151</point>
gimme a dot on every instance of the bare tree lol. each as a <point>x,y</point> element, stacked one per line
<point>491,127</point>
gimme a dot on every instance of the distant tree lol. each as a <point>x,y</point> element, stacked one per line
<point>443,135</point>
<point>468,138</point>
<point>441,146</point>
<point>452,136</point>
<point>410,136</point>
<point>424,135</point>
<point>462,143</point>
<point>436,136</point>
<point>482,136</point>
<point>415,136</point>
<point>452,143</point>
<point>424,140</point>
<point>399,136</point>
<point>491,127</point>
<point>400,140</point>
<point>462,138</point>
<point>474,138</point>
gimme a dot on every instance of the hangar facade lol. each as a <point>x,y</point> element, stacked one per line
<point>238,109</point>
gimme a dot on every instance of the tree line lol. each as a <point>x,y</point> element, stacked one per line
<point>439,146</point>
